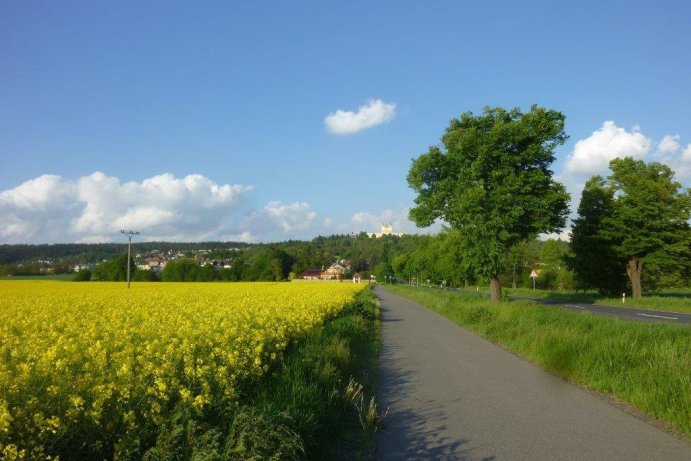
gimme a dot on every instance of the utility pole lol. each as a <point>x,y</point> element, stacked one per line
<point>129,234</point>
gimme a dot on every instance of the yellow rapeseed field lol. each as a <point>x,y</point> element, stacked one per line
<point>83,359</point>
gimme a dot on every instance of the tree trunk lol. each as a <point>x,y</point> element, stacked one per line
<point>634,269</point>
<point>513,285</point>
<point>494,289</point>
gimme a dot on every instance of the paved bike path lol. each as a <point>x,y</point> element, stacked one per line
<point>453,395</point>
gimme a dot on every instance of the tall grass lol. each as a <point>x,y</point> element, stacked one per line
<point>678,300</point>
<point>306,408</point>
<point>645,365</point>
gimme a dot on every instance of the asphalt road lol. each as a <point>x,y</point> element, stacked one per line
<point>624,313</point>
<point>454,396</point>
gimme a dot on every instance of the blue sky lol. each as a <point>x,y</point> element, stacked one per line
<point>201,120</point>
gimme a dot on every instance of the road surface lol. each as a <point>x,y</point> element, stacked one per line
<point>623,313</point>
<point>454,396</point>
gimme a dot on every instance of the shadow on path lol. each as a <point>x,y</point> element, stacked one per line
<point>411,433</point>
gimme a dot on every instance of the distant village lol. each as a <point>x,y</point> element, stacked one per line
<point>336,271</point>
<point>156,260</point>
<point>339,269</point>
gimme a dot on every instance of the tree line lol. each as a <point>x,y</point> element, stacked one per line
<point>491,181</point>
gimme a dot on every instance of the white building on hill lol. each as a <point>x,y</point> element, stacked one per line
<point>386,229</point>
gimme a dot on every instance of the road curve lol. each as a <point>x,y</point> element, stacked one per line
<point>452,395</point>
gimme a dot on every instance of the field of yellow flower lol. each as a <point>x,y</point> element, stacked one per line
<point>89,363</point>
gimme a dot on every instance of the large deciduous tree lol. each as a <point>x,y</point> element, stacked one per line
<point>594,261</point>
<point>492,181</point>
<point>648,218</point>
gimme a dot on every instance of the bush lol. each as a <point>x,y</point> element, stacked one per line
<point>83,275</point>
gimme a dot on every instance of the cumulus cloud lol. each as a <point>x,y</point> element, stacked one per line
<point>296,216</point>
<point>593,154</point>
<point>686,156</point>
<point>375,112</point>
<point>280,221</point>
<point>669,144</point>
<point>93,208</point>
<point>245,237</point>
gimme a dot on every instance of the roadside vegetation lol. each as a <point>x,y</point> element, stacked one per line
<point>324,388</point>
<point>491,183</point>
<point>316,403</point>
<point>670,300</point>
<point>641,364</point>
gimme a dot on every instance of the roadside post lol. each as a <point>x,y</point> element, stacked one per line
<point>533,275</point>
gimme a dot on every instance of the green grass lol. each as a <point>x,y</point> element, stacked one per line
<point>314,404</point>
<point>645,365</point>
<point>65,277</point>
<point>670,300</point>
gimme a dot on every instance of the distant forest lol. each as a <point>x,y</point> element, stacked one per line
<point>422,259</point>
<point>83,253</point>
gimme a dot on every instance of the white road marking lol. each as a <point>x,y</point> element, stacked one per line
<point>659,316</point>
<point>573,305</point>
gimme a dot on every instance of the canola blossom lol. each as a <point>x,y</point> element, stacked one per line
<point>84,361</point>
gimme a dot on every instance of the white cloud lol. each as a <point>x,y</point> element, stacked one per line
<point>686,156</point>
<point>293,217</point>
<point>44,192</point>
<point>669,144</point>
<point>93,208</point>
<point>374,113</point>
<point>245,237</point>
<point>593,154</point>
<point>38,208</point>
<point>278,221</point>
<point>564,235</point>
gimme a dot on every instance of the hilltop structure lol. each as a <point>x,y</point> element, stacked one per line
<point>386,229</point>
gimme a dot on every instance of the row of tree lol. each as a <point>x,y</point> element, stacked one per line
<point>441,261</point>
<point>491,181</point>
<point>633,224</point>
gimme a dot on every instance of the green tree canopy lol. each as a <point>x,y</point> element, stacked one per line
<point>114,270</point>
<point>595,263</point>
<point>492,181</point>
<point>648,218</point>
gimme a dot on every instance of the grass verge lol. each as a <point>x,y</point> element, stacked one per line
<point>667,300</point>
<point>641,364</point>
<point>317,402</point>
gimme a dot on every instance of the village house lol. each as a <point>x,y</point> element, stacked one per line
<point>156,264</point>
<point>311,274</point>
<point>335,271</point>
